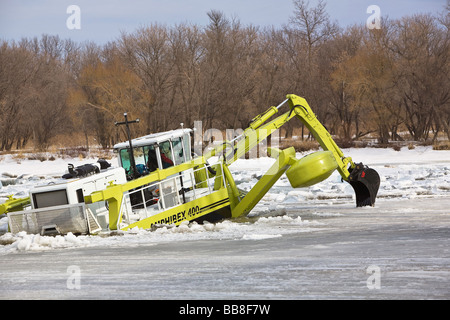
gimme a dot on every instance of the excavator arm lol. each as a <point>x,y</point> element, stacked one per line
<point>365,181</point>
<point>14,204</point>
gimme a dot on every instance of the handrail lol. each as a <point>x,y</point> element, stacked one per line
<point>114,194</point>
<point>157,175</point>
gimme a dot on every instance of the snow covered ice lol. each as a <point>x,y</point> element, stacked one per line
<point>310,243</point>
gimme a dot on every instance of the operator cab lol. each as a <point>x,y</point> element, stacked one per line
<point>155,151</point>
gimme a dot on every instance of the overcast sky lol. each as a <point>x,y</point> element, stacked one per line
<point>103,20</point>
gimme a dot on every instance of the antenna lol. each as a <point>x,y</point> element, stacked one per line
<point>130,150</point>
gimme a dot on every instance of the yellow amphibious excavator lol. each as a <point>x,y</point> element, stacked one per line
<point>159,181</point>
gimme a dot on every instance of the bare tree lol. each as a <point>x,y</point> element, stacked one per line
<point>359,81</point>
<point>147,53</point>
<point>313,24</point>
<point>421,51</point>
<point>188,52</point>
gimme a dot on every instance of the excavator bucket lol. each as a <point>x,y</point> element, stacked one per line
<point>366,182</point>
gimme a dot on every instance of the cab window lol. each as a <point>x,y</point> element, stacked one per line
<point>187,147</point>
<point>140,158</point>
<point>125,160</point>
<point>166,153</point>
<point>178,153</point>
<point>151,158</point>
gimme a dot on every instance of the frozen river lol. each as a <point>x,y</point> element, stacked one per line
<point>310,243</point>
<point>398,250</point>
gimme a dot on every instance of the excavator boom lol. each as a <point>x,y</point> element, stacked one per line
<point>365,181</point>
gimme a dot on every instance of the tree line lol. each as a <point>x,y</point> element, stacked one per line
<point>359,82</point>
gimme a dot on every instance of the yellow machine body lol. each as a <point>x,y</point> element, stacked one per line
<point>311,169</point>
<point>195,191</point>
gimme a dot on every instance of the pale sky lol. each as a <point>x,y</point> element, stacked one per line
<point>103,20</point>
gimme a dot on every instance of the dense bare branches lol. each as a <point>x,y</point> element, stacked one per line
<point>34,87</point>
<point>361,82</point>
